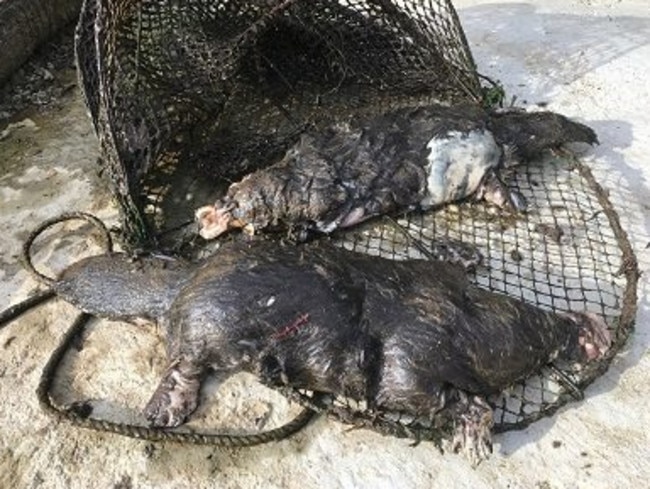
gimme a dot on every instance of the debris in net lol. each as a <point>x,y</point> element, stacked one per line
<point>516,255</point>
<point>551,231</point>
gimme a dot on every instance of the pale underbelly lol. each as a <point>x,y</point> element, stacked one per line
<point>457,164</point>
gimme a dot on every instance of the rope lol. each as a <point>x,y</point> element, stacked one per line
<point>14,312</point>
<point>77,414</point>
<point>68,216</point>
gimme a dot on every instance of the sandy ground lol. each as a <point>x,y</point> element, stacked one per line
<point>586,59</point>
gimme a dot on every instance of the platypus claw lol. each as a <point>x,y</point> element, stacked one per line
<point>173,401</point>
<point>495,192</point>
<point>473,435</point>
<point>213,220</point>
<point>594,338</point>
<point>517,201</point>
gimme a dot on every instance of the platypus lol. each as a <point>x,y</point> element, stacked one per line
<point>404,159</point>
<point>413,337</point>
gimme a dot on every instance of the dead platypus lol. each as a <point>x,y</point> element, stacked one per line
<point>408,158</point>
<point>411,337</point>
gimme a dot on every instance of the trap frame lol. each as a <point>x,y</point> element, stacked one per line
<point>187,96</point>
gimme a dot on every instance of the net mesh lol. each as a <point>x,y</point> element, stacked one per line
<point>188,96</point>
<point>567,253</point>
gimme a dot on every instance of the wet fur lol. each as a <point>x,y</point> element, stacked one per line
<point>408,158</point>
<point>410,336</point>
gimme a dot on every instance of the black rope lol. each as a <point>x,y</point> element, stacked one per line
<point>68,216</point>
<point>14,312</point>
<point>77,414</point>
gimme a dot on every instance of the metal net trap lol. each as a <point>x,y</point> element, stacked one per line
<point>567,253</point>
<point>188,96</point>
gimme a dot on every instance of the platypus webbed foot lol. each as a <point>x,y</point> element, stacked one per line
<point>594,338</point>
<point>472,436</point>
<point>175,398</point>
<point>494,191</point>
<point>213,220</point>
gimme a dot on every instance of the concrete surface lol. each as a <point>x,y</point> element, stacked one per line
<point>586,59</point>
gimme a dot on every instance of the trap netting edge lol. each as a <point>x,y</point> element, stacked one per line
<point>568,253</point>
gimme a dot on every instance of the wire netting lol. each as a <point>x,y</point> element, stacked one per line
<point>567,253</point>
<point>188,96</point>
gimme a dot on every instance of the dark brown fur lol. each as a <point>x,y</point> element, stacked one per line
<point>349,172</point>
<point>410,336</point>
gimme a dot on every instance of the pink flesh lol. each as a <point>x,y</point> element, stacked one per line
<point>213,221</point>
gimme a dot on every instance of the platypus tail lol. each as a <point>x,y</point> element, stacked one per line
<point>527,135</point>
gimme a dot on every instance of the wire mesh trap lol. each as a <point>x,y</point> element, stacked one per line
<point>188,96</point>
<point>567,253</point>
